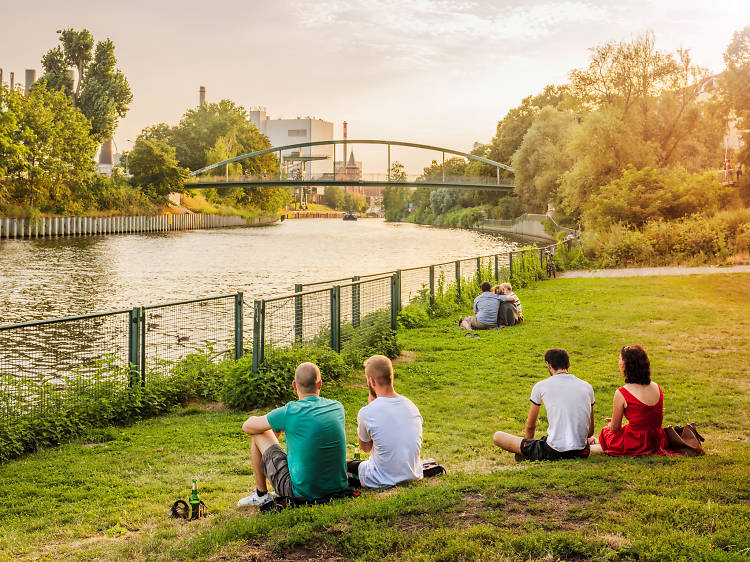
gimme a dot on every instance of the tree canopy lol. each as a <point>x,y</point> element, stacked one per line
<point>102,92</point>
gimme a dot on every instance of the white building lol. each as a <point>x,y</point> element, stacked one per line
<point>282,132</point>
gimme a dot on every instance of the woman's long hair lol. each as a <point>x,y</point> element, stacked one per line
<point>637,365</point>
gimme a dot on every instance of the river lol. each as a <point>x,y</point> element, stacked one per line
<point>49,278</point>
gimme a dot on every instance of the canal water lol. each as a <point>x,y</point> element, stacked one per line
<point>50,278</point>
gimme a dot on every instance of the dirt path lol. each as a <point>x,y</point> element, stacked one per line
<point>651,271</point>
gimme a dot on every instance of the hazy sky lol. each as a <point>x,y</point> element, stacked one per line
<point>436,72</point>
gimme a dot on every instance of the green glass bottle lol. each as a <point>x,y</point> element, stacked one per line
<point>356,452</point>
<point>194,501</point>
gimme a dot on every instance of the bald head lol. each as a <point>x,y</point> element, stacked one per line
<point>380,369</point>
<point>307,377</point>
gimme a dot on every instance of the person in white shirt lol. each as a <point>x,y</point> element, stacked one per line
<point>390,427</point>
<point>570,410</point>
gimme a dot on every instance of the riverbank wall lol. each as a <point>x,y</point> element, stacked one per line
<point>527,225</point>
<point>314,214</point>
<point>54,227</point>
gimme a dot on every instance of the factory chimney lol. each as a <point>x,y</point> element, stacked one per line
<point>30,79</point>
<point>202,95</point>
<point>12,81</point>
<point>345,127</point>
<point>1,77</point>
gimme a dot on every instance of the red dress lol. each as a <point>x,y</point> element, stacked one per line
<point>642,435</point>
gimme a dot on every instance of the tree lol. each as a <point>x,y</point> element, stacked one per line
<point>512,128</point>
<point>736,84</point>
<point>102,92</point>
<point>46,149</point>
<point>354,202</point>
<point>396,198</point>
<point>541,159</point>
<point>333,197</point>
<point>153,165</point>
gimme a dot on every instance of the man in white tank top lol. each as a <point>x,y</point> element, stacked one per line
<point>570,410</point>
<point>390,427</point>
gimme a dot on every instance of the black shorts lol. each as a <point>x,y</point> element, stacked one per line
<point>275,467</point>
<point>538,450</point>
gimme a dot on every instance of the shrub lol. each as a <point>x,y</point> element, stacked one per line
<point>413,316</point>
<point>245,390</point>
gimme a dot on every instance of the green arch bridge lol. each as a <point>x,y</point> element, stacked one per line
<point>338,178</point>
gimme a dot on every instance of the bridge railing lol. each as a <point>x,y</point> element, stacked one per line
<point>412,180</point>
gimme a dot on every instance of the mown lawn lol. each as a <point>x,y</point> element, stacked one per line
<point>108,497</point>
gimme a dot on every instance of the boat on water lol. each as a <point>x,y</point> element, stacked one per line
<point>350,216</point>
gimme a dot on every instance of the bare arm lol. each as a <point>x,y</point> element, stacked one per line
<point>591,422</point>
<point>531,421</point>
<point>366,446</point>
<point>618,409</point>
<point>255,425</point>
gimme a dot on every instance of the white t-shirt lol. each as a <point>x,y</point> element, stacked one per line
<point>394,425</point>
<point>568,400</point>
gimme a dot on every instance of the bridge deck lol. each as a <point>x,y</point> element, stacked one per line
<point>219,183</point>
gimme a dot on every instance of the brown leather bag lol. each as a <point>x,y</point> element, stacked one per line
<point>685,439</point>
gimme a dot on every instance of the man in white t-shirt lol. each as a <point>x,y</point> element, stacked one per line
<point>390,427</point>
<point>570,411</point>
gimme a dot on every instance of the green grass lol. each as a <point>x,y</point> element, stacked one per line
<point>108,497</point>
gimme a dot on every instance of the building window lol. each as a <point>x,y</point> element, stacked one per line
<point>297,132</point>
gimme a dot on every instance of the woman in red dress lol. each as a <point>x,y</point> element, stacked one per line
<point>641,401</point>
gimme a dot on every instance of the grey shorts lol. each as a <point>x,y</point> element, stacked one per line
<point>276,469</point>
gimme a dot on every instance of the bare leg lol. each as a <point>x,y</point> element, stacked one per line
<point>260,443</point>
<point>596,449</point>
<point>507,442</point>
<point>466,325</point>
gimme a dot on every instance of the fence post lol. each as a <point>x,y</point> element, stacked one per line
<point>395,299</point>
<point>479,271</point>
<point>355,302</point>
<point>298,314</point>
<point>238,339</point>
<point>541,258</point>
<point>432,285</point>
<point>134,344</point>
<point>336,318</point>
<point>458,278</point>
<point>510,264</point>
<point>497,270</point>
<point>143,346</point>
<point>259,309</point>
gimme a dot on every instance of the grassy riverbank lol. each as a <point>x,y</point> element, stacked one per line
<point>108,496</point>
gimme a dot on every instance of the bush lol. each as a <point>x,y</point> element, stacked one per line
<point>413,316</point>
<point>245,390</point>
<point>98,400</point>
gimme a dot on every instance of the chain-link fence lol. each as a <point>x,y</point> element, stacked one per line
<point>45,363</point>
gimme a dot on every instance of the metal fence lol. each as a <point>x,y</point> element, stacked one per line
<point>45,363</point>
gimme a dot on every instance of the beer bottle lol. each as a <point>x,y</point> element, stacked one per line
<point>356,452</point>
<point>194,501</point>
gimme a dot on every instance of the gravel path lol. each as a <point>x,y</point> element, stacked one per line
<point>650,271</point>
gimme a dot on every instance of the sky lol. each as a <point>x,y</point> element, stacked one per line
<point>437,72</point>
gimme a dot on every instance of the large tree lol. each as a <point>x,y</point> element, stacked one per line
<point>736,84</point>
<point>102,92</point>
<point>155,169</point>
<point>45,148</point>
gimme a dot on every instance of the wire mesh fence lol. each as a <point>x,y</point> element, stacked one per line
<point>49,362</point>
<point>43,364</point>
<point>174,330</point>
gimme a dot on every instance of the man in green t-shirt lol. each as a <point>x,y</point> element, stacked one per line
<point>314,465</point>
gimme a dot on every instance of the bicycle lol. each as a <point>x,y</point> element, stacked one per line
<point>550,262</point>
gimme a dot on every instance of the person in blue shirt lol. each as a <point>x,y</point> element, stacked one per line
<point>314,464</point>
<point>486,306</point>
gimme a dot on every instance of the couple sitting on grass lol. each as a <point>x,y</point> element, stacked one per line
<point>495,307</point>
<point>314,465</point>
<point>570,410</point>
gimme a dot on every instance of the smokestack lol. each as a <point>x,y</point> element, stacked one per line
<point>30,79</point>
<point>345,127</point>
<point>105,154</point>
<point>202,95</point>
<point>12,80</point>
<point>1,77</point>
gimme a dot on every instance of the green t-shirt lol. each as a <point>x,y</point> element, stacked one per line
<point>315,445</point>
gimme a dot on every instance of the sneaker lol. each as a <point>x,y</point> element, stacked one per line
<point>519,457</point>
<point>255,499</point>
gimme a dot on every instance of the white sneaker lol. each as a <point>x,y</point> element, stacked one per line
<point>255,499</point>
